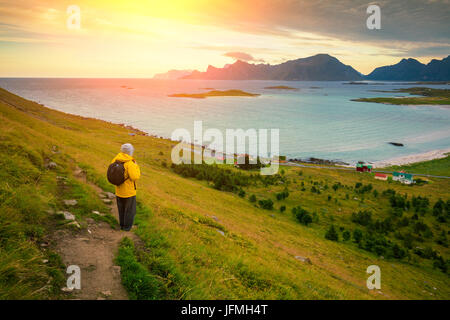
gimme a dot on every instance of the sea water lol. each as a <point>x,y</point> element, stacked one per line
<point>318,120</point>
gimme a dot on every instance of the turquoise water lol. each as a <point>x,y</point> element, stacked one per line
<point>313,122</point>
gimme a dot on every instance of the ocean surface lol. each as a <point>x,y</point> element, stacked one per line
<point>319,120</point>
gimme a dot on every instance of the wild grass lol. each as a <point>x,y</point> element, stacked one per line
<point>256,256</point>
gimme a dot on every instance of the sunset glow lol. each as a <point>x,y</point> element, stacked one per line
<point>141,38</point>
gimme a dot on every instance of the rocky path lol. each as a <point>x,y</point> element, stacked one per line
<point>93,249</point>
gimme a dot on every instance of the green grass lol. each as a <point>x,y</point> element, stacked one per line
<point>182,249</point>
<point>439,167</point>
<point>430,97</point>
<point>140,284</point>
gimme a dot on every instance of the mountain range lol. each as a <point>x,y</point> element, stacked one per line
<point>322,67</point>
<point>413,70</point>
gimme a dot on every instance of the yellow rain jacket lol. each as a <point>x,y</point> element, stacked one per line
<point>132,173</point>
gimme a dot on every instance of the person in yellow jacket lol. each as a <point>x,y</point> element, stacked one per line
<point>126,192</point>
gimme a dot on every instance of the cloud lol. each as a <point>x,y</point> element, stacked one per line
<point>242,56</point>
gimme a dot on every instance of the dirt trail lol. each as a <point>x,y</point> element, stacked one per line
<point>93,250</point>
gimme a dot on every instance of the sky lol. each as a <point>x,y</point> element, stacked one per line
<point>119,38</point>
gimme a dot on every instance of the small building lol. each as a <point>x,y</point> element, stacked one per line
<point>381,176</point>
<point>361,167</point>
<point>403,177</point>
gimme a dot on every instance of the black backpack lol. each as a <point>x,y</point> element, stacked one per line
<point>116,173</point>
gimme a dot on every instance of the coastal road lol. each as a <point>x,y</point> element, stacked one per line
<point>293,164</point>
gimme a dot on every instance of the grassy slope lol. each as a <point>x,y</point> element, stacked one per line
<point>255,258</point>
<point>440,167</point>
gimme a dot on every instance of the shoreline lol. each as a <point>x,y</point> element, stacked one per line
<point>414,158</point>
<point>396,161</point>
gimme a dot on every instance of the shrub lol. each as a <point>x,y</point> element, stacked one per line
<point>282,208</point>
<point>346,235</point>
<point>363,218</point>
<point>282,195</point>
<point>252,198</point>
<point>241,193</point>
<point>332,234</point>
<point>266,204</point>
<point>302,215</point>
<point>357,235</point>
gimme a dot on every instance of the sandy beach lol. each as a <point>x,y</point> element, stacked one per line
<point>431,155</point>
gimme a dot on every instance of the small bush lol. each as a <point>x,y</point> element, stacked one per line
<point>332,234</point>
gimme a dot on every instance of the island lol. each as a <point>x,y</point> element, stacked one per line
<point>281,88</point>
<point>429,96</point>
<point>215,93</point>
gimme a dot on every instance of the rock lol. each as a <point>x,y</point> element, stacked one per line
<point>65,289</point>
<point>61,178</point>
<point>107,201</point>
<point>44,245</point>
<point>221,232</point>
<point>44,261</point>
<point>51,165</point>
<point>101,298</point>
<point>303,259</point>
<point>106,293</point>
<point>116,270</point>
<point>215,218</point>
<point>89,231</point>
<point>74,224</point>
<point>110,195</point>
<point>72,202</point>
<point>397,144</point>
<point>67,215</point>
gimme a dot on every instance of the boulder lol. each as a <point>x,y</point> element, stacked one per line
<point>67,215</point>
<point>107,201</point>
<point>110,195</point>
<point>72,202</point>
<point>303,259</point>
<point>51,165</point>
<point>74,224</point>
<point>106,293</point>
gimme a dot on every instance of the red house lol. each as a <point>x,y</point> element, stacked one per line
<point>360,167</point>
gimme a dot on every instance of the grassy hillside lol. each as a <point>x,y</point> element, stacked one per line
<point>438,167</point>
<point>205,230</point>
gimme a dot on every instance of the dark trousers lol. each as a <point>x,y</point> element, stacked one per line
<point>127,211</point>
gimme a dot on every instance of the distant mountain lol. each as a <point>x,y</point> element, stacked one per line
<point>413,70</point>
<point>172,74</point>
<point>321,67</point>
